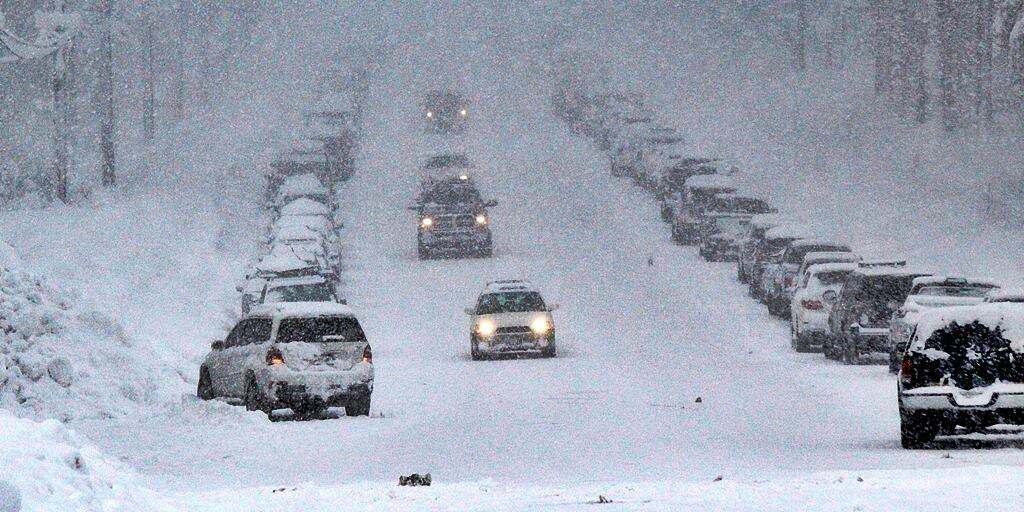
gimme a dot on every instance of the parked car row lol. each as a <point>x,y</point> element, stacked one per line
<point>297,345</point>
<point>956,343</point>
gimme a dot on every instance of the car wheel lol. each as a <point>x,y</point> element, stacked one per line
<point>204,390</point>
<point>740,277</point>
<point>474,351</point>
<point>676,237</point>
<point>917,429</point>
<point>359,406</point>
<point>424,253</point>
<point>254,399</point>
<point>550,351</point>
<point>487,251</point>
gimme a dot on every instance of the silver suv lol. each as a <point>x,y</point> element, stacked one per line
<point>304,356</point>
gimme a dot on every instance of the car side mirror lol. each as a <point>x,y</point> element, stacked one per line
<point>854,329</point>
<point>491,204</point>
<point>217,344</point>
<point>469,311</point>
<point>553,306</point>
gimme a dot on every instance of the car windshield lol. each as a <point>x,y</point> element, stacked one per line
<point>954,291</point>
<point>775,245</point>
<point>314,329</point>
<point>509,302</point>
<point>452,195</point>
<point>319,292</point>
<point>443,161</point>
<point>884,290</point>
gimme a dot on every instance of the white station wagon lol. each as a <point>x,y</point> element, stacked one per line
<point>511,318</point>
<point>305,356</point>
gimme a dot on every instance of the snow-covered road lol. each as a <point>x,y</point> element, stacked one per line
<point>638,345</point>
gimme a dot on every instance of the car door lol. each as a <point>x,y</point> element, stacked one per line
<point>249,347</point>
<point>218,364</point>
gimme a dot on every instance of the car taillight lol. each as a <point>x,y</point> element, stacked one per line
<point>367,355</point>
<point>274,357</point>
<point>788,280</point>
<point>905,368</point>
<point>813,305</point>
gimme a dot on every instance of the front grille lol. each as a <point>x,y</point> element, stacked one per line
<point>449,222</point>
<point>519,329</point>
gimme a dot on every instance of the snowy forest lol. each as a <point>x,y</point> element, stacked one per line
<point>133,74</point>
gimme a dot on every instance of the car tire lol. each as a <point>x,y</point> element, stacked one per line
<point>740,276</point>
<point>797,340</point>
<point>474,351</point>
<point>254,399</point>
<point>423,253</point>
<point>204,389</point>
<point>359,407</point>
<point>676,237</point>
<point>550,351</point>
<point>917,429</point>
<point>486,251</point>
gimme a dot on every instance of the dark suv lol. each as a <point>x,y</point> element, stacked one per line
<point>673,181</point>
<point>859,321</point>
<point>453,220</point>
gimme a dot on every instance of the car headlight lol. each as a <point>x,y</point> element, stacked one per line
<point>426,222</point>
<point>540,325</point>
<point>463,112</point>
<point>430,114</point>
<point>464,177</point>
<point>481,219</point>
<point>486,328</point>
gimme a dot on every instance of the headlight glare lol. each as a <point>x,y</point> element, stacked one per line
<point>481,219</point>
<point>486,328</point>
<point>426,222</point>
<point>540,325</point>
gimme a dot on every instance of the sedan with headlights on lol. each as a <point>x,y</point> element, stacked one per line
<point>510,318</point>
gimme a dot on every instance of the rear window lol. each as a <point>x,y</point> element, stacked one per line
<point>967,356</point>
<point>314,329</point>
<point>796,254</point>
<point>319,292</point>
<point>253,330</point>
<point>832,277</point>
<point>885,289</point>
<point>954,291</point>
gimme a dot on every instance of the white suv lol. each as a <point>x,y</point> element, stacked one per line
<point>816,291</point>
<point>511,318</point>
<point>305,356</point>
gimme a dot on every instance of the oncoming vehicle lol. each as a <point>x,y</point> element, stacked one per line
<point>962,369</point>
<point>511,318</point>
<point>445,111</point>
<point>453,219</point>
<point>927,293</point>
<point>300,356</point>
<point>816,292</point>
<point>860,319</point>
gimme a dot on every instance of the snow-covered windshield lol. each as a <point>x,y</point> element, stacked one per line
<point>509,302</point>
<point>320,292</point>
<point>314,329</point>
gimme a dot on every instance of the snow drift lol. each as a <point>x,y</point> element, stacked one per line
<point>59,360</point>
<point>48,467</point>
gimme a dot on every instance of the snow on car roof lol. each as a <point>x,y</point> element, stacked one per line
<point>788,231</point>
<point>831,256</point>
<point>710,181</point>
<point>300,185</point>
<point>296,232</point>
<point>282,261</point>
<point>1007,316</point>
<point>317,222</point>
<point>832,266</point>
<point>508,285</point>
<point>296,280</point>
<point>301,309</point>
<point>764,220</point>
<point>885,270</point>
<point>1005,295</point>
<point>305,206</point>
<point>808,242</point>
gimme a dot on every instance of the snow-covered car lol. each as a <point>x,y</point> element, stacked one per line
<point>817,258</point>
<point>859,321</point>
<point>1005,295</point>
<point>302,186</point>
<point>673,180</point>
<point>301,356</point>
<point>769,257</point>
<point>309,288</point>
<point>321,224</point>
<point>662,149</point>
<point>511,318</point>
<point>627,155</point>
<point>751,244</point>
<point>928,293</point>
<point>453,220</point>
<point>305,206</point>
<point>962,369</point>
<point>781,279</point>
<point>815,293</point>
<point>690,207</point>
<point>720,233</point>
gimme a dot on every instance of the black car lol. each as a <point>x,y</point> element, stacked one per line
<point>453,220</point>
<point>860,320</point>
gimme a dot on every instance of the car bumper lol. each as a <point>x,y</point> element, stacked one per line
<point>942,398</point>
<point>456,241</point>
<point>295,389</point>
<point>873,340</point>
<point>515,343</point>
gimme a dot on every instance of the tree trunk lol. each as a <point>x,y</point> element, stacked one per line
<point>61,117</point>
<point>948,64</point>
<point>106,96</point>
<point>149,74</point>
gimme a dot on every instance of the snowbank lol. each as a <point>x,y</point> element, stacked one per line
<point>46,467</point>
<point>58,360</point>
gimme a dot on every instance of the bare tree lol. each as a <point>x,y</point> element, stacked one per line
<point>106,95</point>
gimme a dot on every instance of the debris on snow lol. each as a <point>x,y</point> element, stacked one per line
<point>414,480</point>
